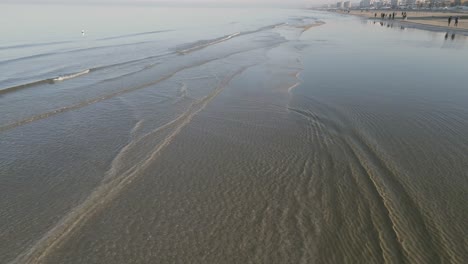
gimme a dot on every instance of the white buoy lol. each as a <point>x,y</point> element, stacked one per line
<point>82,32</point>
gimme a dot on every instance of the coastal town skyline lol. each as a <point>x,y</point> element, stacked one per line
<point>414,4</point>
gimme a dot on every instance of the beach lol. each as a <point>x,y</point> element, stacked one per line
<point>245,136</point>
<point>421,19</point>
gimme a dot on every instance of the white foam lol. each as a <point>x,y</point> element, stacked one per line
<point>71,76</point>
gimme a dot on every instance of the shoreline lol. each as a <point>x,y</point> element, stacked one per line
<point>421,26</point>
<point>429,21</point>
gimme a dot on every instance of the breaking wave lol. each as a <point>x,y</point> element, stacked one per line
<point>45,81</point>
<point>71,76</point>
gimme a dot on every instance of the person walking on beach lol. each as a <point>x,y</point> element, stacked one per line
<point>449,20</point>
<point>456,21</point>
<point>375,15</point>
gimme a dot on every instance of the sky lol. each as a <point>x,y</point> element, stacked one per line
<point>284,3</point>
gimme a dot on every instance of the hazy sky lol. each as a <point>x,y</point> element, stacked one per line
<point>295,3</point>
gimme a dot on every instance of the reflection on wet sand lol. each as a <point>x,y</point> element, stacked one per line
<point>390,24</point>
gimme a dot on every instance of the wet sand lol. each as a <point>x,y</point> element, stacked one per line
<point>423,20</point>
<point>279,146</point>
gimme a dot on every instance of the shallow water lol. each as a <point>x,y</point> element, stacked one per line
<point>240,138</point>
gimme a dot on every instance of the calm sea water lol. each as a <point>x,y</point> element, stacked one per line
<point>172,135</point>
<point>46,41</point>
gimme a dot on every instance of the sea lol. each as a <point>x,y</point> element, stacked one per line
<point>156,134</point>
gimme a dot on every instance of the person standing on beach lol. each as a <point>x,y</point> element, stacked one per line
<point>456,21</point>
<point>449,20</point>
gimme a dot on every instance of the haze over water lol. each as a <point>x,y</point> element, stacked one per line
<point>172,135</point>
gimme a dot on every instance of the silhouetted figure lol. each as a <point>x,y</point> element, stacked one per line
<point>453,36</point>
<point>375,15</point>
<point>449,20</point>
<point>456,21</point>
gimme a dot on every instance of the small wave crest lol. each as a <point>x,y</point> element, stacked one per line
<point>35,56</point>
<point>205,43</point>
<point>28,45</point>
<point>72,51</point>
<point>136,34</point>
<point>45,81</point>
<point>26,85</point>
<point>188,48</point>
<point>71,76</point>
<point>78,74</point>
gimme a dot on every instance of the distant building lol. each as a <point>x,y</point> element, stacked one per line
<point>340,5</point>
<point>347,4</point>
<point>383,3</point>
<point>366,3</point>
